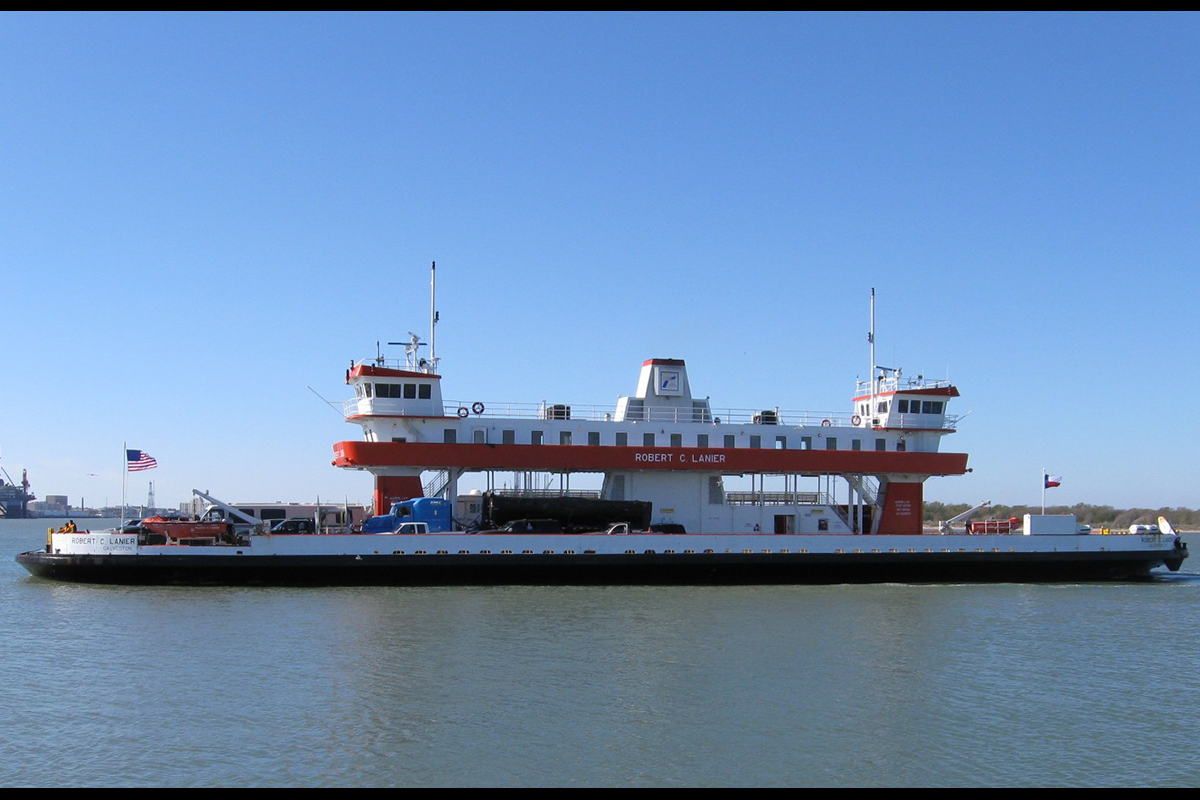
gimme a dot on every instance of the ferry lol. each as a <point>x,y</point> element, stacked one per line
<point>688,493</point>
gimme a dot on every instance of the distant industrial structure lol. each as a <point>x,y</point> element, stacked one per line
<point>14,497</point>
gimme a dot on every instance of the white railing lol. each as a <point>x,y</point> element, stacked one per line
<point>924,421</point>
<point>898,383</point>
<point>591,413</point>
<point>407,365</point>
<point>782,418</point>
<point>771,498</point>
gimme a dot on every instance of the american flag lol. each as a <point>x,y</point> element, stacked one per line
<point>138,460</point>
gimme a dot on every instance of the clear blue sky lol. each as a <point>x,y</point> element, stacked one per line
<point>205,214</point>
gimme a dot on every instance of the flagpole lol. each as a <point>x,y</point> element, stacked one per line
<point>1044,474</point>
<point>124,479</point>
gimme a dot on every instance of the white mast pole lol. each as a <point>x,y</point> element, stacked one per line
<point>433,315</point>
<point>124,478</point>
<point>871,338</point>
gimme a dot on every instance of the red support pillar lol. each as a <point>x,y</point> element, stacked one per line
<point>903,508</point>
<point>390,489</point>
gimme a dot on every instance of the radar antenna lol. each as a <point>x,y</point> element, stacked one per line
<point>410,350</point>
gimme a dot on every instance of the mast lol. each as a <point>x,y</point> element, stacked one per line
<point>874,369</point>
<point>433,316</point>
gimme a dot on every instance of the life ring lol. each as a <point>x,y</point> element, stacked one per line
<point>477,407</point>
<point>825,423</point>
<point>462,411</point>
<point>855,420</point>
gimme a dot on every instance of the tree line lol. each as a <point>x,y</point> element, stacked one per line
<point>1096,516</point>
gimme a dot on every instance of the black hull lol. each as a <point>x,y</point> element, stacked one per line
<point>592,569</point>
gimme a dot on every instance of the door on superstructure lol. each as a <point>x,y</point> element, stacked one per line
<point>785,523</point>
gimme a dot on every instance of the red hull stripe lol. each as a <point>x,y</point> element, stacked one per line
<point>583,458</point>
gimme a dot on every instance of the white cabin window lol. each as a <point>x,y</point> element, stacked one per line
<point>564,437</point>
<point>622,439</point>
<point>594,438</point>
<point>535,437</point>
<point>647,440</point>
<point>755,441</point>
<point>730,440</point>
<point>831,443</point>
<point>508,437</point>
<point>702,440</point>
<point>781,443</point>
<point>676,440</point>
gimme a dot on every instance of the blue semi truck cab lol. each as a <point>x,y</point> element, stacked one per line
<point>431,513</point>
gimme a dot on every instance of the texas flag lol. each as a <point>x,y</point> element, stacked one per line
<point>1052,480</point>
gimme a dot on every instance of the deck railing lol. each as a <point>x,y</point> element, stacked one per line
<point>767,418</point>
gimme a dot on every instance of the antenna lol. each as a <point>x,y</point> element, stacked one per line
<point>874,371</point>
<point>433,316</point>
